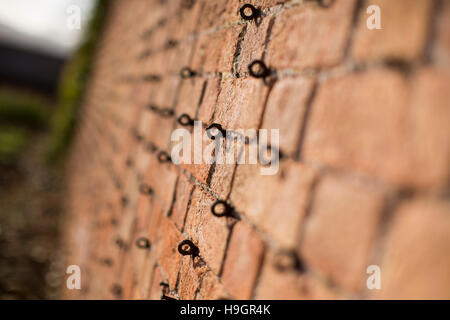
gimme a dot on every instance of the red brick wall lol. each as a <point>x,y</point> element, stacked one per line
<point>364,131</point>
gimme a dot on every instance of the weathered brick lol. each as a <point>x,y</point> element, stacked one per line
<point>155,288</point>
<point>276,203</point>
<point>192,271</point>
<point>207,231</point>
<point>310,37</point>
<point>182,198</point>
<point>240,104</point>
<point>430,136</point>
<point>416,260</point>
<point>403,34</point>
<point>168,256</point>
<point>189,96</point>
<point>393,137</point>
<point>362,103</point>
<point>341,230</point>
<point>286,109</point>
<point>211,288</point>
<point>208,105</point>
<point>288,284</point>
<point>243,261</point>
<point>162,178</point>
<point>215,51</point>
<point>253,44</point>
<point>441,47</point>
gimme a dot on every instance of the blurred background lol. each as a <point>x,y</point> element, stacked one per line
<point>43,67</point>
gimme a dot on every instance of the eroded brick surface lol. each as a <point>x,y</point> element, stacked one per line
<point>363,118</point>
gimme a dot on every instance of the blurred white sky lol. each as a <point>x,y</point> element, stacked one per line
<point>42,23</point>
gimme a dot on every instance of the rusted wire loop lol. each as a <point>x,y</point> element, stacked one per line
<point>163,157</point>
<point>254,12</point>
<point>129,162</point>
<point>151,147</point>
<point>153,108</point>
<point>124,201</point>
<point>326,3</point>
<point>288,260</point>
<point>120,243</point>
<point>221,209</point>
<point>116,290</point>
<point>187,73</point>
<point>185,120</point>
<point>187,248</point>
<point>210,131</point>
<point>166,112</point>
<point>258,69</point>
<point>143,243</point>
<point>145,189</point>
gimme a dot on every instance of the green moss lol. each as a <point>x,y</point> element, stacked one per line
<point>12,141</point>
<point>72,87</point>
<point>17,107</point>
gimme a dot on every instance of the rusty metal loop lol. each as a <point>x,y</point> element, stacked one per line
<point>263,71</point>
<point>186,73</point>
<point>143,243</point>
<point>145,189</point>
<point>214,126</point>
<point>185,120</point>
<point>164,157</point>
<point>226,212</point>
<point>255,13</point>
<point>187,248</point>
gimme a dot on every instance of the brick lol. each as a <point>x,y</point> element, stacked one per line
<point>429,135</point>
<point>189,96</point>
<point>155,288</point>
<point>127,280</point>
<point>182,199</point>
<point>286,109</point>
<point>215,51</point>
<point>275,284</point>
<point>254,43</point>
<point>167,249</point>
<point>217,13</point>
<point>201,170</point>
<point>240,103</point>
<point>211,288</point>
<point>403,35</point>
<point>392,140</point>
<point>207,231</point>
<point>222,179</point>
<point>441,47</point>
<point>357,122</point>
<point>341,230</point>
<point>310,37</point>
<point>243,260</point>
<point>192,271</point>
<point>415,264</point>
<point>276,203</point>
<point>208,105</point>
<point>145,281</point>
<point>162,178</point>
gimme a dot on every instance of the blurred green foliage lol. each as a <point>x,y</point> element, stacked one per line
<point>12,142</point>
<point>20,111</point>
<point>72,86</point>
<point>22,108</point>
